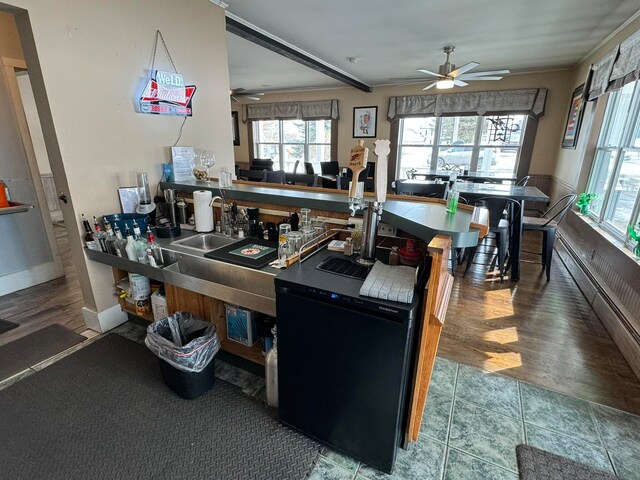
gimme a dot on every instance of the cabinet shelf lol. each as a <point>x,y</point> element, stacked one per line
<point>253,353</point>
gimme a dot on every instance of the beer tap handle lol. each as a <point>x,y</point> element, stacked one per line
<point>382,151</point>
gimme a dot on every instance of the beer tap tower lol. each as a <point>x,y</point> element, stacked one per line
<point>372,210</point>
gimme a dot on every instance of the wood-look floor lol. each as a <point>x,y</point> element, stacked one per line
<point>540,332</point>
<point>57,301</point>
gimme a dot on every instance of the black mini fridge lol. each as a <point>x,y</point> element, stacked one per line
<point>344,363</point>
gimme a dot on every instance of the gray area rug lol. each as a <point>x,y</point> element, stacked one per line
<point>35,347</point>
<point>6,325</point>
<point>536,464</point>
<point>105,412</point>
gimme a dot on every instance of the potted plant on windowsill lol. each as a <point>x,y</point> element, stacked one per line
<point>584,200</point>
<point>634,233</point>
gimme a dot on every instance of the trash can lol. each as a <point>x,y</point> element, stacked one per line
<point>186,347</point>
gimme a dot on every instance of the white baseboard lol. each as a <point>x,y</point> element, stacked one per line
<point>105,320</point>
<point>30,277</point>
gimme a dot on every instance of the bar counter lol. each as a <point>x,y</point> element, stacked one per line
<point>421,217</point>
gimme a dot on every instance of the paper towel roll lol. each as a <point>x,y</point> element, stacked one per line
<point>203,212</point>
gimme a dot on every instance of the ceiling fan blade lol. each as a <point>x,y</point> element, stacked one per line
<point>463,69</point>
<point>430,86</point>
<point>492,72</point>
<point>473,79</point>
<point>430,73</point>
<point>234,99</point>
<point>254,97</point>
<point>406,79</point>
<point>460,83</point>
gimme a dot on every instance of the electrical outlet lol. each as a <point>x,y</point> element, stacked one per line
<point>386,230</point>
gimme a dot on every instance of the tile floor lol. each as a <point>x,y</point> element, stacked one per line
<point>472,424</point>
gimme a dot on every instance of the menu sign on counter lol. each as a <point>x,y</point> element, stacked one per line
<point>166,94</point>
<point>183,163</point>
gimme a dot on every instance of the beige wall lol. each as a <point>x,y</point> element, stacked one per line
<point>94,57</point>
<point>549,130</point>
<point>570,162</point>
<point>9,41</point>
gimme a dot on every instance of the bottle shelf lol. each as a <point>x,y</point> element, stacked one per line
<point>15,207</point>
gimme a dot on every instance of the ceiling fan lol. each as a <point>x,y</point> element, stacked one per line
<point>241,93</point>
<point>448,75</point>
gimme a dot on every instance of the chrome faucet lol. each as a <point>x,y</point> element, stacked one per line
<point>222,215</point>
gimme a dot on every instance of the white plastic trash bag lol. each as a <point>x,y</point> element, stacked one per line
<point>184,341</point>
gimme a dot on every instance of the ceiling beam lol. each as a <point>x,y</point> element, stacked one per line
<point>254,35</point>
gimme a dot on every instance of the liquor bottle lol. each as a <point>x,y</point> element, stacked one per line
<point>111,238</point>
<point>155,250</point>
<point>130,247</point>
<point>120,243</point>
<point>150,258</point>
<point>140,244</point>
<point>89,239</point>
<point>100,235</point>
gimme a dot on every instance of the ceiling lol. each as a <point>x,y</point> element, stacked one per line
<point>392,40</point>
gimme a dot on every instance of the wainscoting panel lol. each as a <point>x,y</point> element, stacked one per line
<point>608,278</point>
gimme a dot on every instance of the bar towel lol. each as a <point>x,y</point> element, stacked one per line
<point>390,282</point>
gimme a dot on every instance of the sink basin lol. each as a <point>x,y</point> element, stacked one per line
<point>204,241</point>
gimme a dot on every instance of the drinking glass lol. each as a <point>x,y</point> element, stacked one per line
<point>284,248</point>
<point>295,240</point>
<point>225,179</point>
<point>305,217</point>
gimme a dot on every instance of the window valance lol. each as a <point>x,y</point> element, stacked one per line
<point>617,67</point>
<point>316,110</point>
<point>495,102</point>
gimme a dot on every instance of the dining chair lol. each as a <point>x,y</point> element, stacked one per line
<point>547,223</point>
<point>499,226</point>
<point>252,175</point>
<point>330,168</point>
<point>523,181</point>
<point>261,164</point>
<point>277,176</point>
<point>434,190</point>
<point>301,179</point>
<point>308,168</point>
<point>295,166</point>
<point>483,180</point>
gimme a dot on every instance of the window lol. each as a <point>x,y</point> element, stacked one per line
<point>291,141</point>
<point>615,174</point>
<point>483,144</point>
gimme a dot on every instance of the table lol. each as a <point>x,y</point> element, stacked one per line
<point>445,174</point>
<point>520,194</point>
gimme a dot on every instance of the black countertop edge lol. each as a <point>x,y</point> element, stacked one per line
<point>335,202</point>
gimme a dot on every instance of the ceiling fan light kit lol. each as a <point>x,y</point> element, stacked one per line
<point>448,75</point>
<point>444,84</point>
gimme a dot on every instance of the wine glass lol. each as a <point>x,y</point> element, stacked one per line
<point>207,160</point>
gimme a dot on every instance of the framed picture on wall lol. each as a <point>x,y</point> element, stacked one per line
<point>574,119</point>
<point>365,122</point>
<point>235,129</point>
